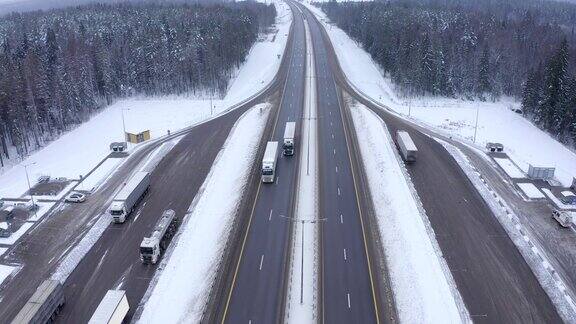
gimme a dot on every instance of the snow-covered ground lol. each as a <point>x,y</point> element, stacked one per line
<point>180,290</point>
<point>424,289</point>
<point>16,235</point>
<point>302,299</point>
<point>530,190</point>
<point>533,253</point>
<point>523,142</point>
<point>557,202</point>
<point>73,258</point>
<point>510,168</point>
<point>6,271</point>
<point>78,151</point>
<point>99,176</point>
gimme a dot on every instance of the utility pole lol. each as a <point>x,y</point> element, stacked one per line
<point>476,124</point>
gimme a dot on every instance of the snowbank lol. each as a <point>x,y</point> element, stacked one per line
<point>530,190</point>
<point>78,151</point>
<point>510,168</point>
<point>6,271</point>
<point>423,287</point>
<point>100,175</point>
<point>182,286</point>
<point>523,142</point>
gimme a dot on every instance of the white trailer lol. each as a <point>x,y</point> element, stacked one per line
<point>112,308</point>
<point>152,246</point>
<point>125,201</point>
<point>269,162</point>
<point>406,146</point>
<point>43,306</point>
<point>289,131</point>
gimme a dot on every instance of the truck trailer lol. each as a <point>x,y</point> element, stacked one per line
<point>112,308</point>
<point>269,162</point>
<point>289,131</point>
<point>406,146</point>
<point>44,305</point>
<point>154,245</point>
<point>129,196</point>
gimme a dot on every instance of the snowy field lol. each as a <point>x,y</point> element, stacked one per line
<point>182,287</point>
<point>523,142</point>
<point>423,287</point>
<point>78,151</point>
<point>530,190</point>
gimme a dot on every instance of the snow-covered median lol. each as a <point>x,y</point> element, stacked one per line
<point>424,289</point>
<point>78,151</point>
<point>180,290</point>
<point>523,141</point>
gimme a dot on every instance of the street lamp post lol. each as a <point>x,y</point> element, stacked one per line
<point>303,222</point>
<point>124,125</point>
<point>29,186</point>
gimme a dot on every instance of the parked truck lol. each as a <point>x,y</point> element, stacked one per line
<point>154,245</point>
<point>564,218</point>
<point>269,162</point>
<point>44,305</point>
<point>129,196</point>
<point>112,308</point>
<point>406,146</point>
<point>289,131</point>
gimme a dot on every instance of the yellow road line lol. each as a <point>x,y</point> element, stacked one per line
<point>257,195</point>
<point>358,206</point>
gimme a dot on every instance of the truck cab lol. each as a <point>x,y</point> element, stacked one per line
<point>288,144</point>
<point>564,218</point>
<point>149,250</point>
<point>288,147</point>
<point>118,212</point>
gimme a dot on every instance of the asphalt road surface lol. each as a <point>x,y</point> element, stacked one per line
<point>347,284</point>
<point>493,278</point>
<point>114,261</point>
<point>40,250</point>
<point>257,289</point>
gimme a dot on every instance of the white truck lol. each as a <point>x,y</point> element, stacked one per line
<point>152,246</point>
<point>406,146</point>
<point>564,218</point>
<point>112,308</point>
<point>289,131</point>
<point>44,305</point>
<point>269,162</point>
<point>125,201</point>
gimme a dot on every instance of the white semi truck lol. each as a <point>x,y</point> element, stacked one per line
<point>269,162</point>
<point>289,131</point>
<point>406,146</point>
<point>125,201</point>
<point>152,246</point>
<point>43,306</point>
<point>112,308</point>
